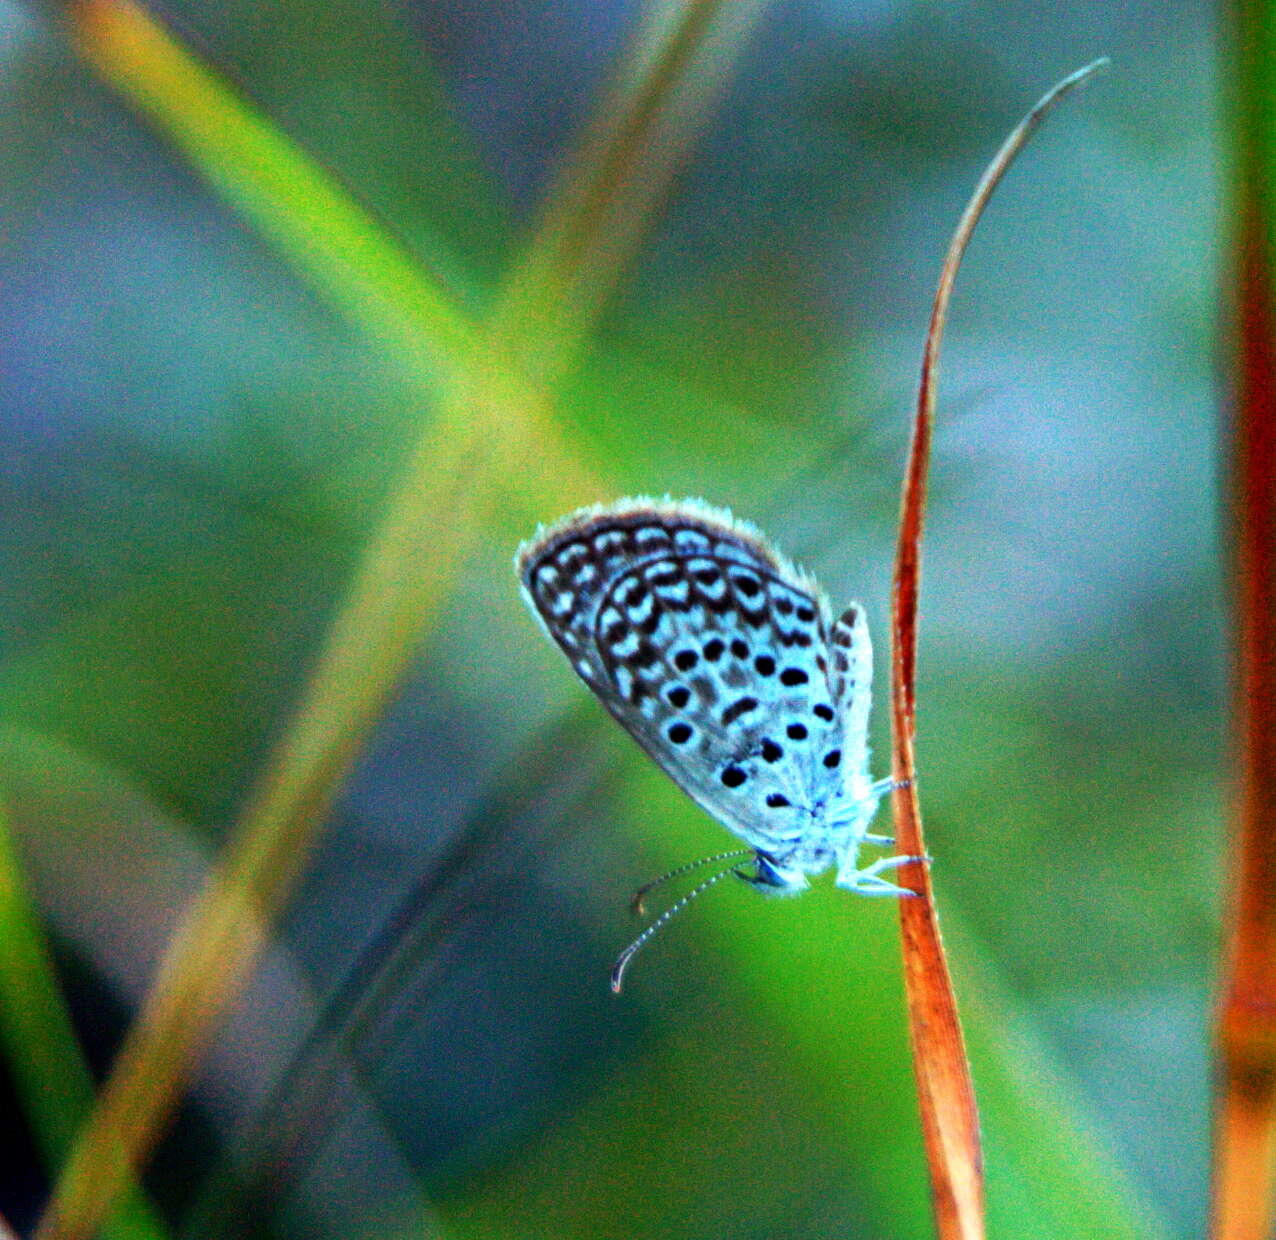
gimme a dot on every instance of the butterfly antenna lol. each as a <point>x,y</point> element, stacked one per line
<point>622,961</point>
<point>636,904</point>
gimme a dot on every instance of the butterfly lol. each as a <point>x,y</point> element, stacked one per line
<point>722,660</point>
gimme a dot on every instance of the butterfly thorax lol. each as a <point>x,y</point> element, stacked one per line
<point>831,834</point>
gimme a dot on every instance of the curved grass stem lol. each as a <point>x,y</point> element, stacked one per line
<point>946,1097</point>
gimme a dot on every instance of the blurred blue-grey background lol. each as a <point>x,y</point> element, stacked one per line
<point>197,444</point>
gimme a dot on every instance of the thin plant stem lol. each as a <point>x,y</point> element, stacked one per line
<point>946,1096</point>
<point>677,61</point>
<point>1242,1206</point>
<point>48,1068</point>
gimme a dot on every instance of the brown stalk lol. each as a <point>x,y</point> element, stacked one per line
<point>1245,1105</point>
<point>946,1096</point>
<point>678,60</point>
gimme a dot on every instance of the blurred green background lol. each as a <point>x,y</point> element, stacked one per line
<point>198,440</point>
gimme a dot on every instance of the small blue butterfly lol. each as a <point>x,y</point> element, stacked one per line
<point>720,658</point>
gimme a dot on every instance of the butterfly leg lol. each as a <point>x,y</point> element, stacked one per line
<point>883,786</point>
<point>880,789</point>
<point>880,887</point>
<point>869,882</point>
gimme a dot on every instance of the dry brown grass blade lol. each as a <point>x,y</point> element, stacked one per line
<point>677,61</point>
<point>1245,1107</point>
<point>946,1097</point>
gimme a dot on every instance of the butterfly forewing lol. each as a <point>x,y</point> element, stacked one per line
<point>712,651</point>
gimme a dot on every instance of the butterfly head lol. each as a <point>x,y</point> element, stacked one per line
<point>774,877</point>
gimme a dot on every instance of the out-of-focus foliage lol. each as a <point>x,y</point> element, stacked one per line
<point>197,443</point>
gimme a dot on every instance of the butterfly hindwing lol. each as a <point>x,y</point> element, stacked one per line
<point>851,660</point>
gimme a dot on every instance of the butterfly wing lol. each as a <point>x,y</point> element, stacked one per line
<point>851,679</point>
<point>708,647</point>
